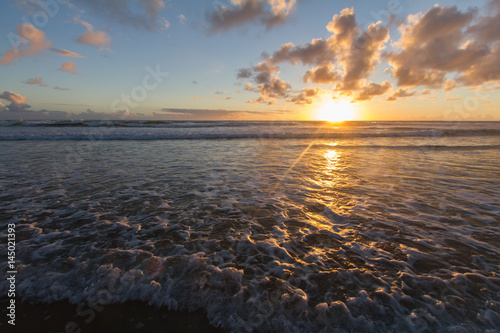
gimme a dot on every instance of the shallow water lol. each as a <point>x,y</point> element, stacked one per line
<point>301,232</point>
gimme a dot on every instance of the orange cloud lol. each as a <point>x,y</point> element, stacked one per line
<point>35,40</point>
<point>98,39</point>
<point>66,53</point>
<point>69,67</point>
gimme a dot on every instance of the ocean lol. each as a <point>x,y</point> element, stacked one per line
<point>263,226</point>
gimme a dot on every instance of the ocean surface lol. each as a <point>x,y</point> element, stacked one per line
<point>266,226</point>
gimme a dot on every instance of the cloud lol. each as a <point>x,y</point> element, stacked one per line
<point>323,75</point>
<point>164,24</point>
<point>59,88</point>
<point>35,81</point>
<point>274,89</point>
<point>152,7</point>
<point>240,12</point>
<point>39,82</point>
<point>211,114</point>
<point>306,96</point>
<point>446,41</point>
<point>219,92</point>
<point>244,73</point>
<point>17,101</point>
<point>123,113</point>
<point>197,98</point>
<point>486,28</point>
<point>69,67</point>
<point>449,85</point>
<point>318,52</point>
<point>182,19</point>
<point>98,39</point>
<point>347,58</point>
<point>142,15</point>
<point>361,59</point>
<point>401,93</point>
<point>31,38</point>
<point>66,53</point>
<point>373,89</point>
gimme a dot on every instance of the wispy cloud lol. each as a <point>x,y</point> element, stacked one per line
<point>66,53</point>
<point>59,88</point>
<point>38,81</point>
<point>210,114</point>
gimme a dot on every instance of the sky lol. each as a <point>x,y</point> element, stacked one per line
<point>250,60</point>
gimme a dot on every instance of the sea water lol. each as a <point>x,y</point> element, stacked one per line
<point>266,226</point>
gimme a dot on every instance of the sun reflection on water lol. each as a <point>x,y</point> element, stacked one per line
<point>332,157</point>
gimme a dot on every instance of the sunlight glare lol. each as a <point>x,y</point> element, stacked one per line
<point>337,111</point>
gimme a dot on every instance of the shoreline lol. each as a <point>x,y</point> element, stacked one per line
<point>131,316</point>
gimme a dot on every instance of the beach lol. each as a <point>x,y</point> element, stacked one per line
<point>252,226</point>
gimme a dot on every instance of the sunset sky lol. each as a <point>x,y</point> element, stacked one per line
<point>250,59</point>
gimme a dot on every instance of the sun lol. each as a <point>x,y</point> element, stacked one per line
<point>337,111</point>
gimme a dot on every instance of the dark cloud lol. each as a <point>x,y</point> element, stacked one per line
<point>317,52</point>
<point>373,89</point>
<point>244,73</point>
<point>306,96</point>
<point>240,12</point>
<point>401,93</point>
